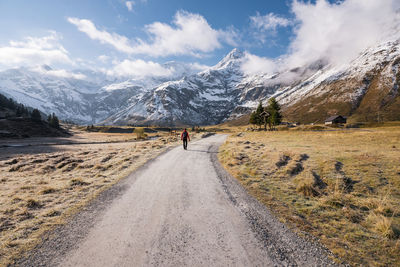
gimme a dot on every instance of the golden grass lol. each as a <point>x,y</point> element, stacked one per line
<point>40,191</point>
<point>341,186</point>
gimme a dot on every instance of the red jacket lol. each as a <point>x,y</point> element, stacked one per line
<point>188,137</point>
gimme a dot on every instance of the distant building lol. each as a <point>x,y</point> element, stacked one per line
<point>337,119</point>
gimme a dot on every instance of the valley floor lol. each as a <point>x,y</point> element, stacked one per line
<point>180,209</point>
<point>341,186</point>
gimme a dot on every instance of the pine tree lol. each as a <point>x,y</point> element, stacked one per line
<point>19,111</point>
<point>259,110</point>
<point>273,109</point>
<point>35,115</point>
<point>54,122</point>
<point>25,111</point>
<point>255,117</point>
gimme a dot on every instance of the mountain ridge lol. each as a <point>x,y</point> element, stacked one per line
<point>221,92</point>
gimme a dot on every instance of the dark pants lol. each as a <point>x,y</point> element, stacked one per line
<point>184,143</point>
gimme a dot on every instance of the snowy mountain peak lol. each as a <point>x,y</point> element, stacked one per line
<point>234,58</point>
<point>234,54</point>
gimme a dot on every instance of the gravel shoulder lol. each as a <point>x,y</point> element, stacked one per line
<point>181,208</point>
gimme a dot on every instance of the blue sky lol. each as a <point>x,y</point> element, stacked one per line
<point>22,18</point>
<point>104,33</point>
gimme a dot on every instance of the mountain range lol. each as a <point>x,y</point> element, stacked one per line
<point>366,89</point>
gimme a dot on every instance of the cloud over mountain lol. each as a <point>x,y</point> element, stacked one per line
<point>32,50</point>
<point>339,31</point>
<point>333,32</point>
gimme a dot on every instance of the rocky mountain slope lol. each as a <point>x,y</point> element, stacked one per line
<point>365,89</point>
<point>86,100</point>
<point>208,97</point>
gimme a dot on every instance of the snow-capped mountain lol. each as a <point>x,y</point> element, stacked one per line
<point>82,96</point>
<point>70,97</point>
<point>365,89</point>
<point>204,98</point>
<point>219,93</point>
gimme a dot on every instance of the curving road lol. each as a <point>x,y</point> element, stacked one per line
<point>182,209</point>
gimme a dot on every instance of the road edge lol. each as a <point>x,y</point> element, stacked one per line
<point>278,239</point>
<point>56,243</point>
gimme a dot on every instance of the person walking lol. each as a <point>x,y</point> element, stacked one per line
<point>184,137</point>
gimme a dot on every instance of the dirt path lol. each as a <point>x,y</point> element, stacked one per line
<point>181,209</point>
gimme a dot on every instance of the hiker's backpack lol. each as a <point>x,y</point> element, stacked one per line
<point>185,135</point>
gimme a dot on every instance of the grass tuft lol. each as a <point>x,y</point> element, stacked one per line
<point>33,204</point>
<point>78,182</point>
<point>384,226</point>
<point>48,190</point>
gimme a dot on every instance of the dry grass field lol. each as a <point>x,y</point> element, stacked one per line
<point>342,186</point>
<point>41,186</point>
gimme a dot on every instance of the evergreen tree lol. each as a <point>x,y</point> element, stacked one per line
<point>3,101</point>
<point>19,111</point>
<point>273,109</point>
<point>25,111</point>
<point>35,115</point>
<point>253,118</point>
<point>11,104</point>
<point>259,110</point>
<point>54,122</point>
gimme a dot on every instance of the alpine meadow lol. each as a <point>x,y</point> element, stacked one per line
<point>200,133</point>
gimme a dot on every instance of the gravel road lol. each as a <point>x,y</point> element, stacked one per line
<point>181,209</point>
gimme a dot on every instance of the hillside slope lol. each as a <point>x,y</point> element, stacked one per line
<point>367,89</point>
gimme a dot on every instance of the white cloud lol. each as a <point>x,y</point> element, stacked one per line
<point>198,67</point>
<point>339,32</point>
<point>103,58</point>
<point>33,51</point>
<point>129,5</point>
<point>190,34</point>
<point>269,22</point>
<point>60,73</point>
<point>253,64</point>
<point>120,42</point>
<point>139,68</point>
<point>334,33</point>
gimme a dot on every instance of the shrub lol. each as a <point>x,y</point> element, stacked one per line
<point>33,204</point>
<point>384,226</point>
<point>307,189</point>
<point>139,133</point>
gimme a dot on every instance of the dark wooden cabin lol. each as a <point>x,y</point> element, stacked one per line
<point>337,119</point>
